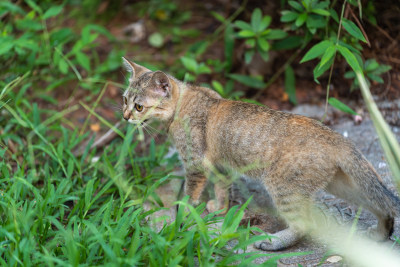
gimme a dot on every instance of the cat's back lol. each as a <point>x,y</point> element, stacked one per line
<point>242,128</point>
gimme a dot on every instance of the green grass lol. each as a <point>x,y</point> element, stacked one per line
<point>59,209</point>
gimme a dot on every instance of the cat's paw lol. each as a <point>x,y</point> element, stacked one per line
<point>269,245</point>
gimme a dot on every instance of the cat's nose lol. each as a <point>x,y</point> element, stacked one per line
<point>127,115</point>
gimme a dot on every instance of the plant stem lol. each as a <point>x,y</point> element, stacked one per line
<point>331,70</point>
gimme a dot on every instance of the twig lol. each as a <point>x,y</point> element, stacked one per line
<point>333,63</point>
<point>360,26</point>
<point>278,73</point>
<point>102,141</point>
<point>383,32</point>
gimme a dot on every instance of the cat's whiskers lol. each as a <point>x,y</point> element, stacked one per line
<point>150,130</point>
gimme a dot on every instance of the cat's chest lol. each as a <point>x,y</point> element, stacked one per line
<point>188,135</point>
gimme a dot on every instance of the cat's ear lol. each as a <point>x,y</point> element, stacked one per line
<point>161,84</point>
<point>133,68</point>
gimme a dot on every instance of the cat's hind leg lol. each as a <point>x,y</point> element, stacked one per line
<point>294,210</point>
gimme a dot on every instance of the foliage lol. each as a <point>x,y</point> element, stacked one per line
<point>312,14</point>
<point>257,35</point>
<point>57,54</point>
<point>372,70</point>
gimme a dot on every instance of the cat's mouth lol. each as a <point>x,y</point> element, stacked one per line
<point>138,122</point>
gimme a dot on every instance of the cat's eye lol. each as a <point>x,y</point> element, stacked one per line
<point>138,107</point>
<point>125,101</point>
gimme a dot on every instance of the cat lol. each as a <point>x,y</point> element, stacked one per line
<point>292,155</point>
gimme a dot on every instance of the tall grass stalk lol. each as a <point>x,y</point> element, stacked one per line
<point>386,137</point>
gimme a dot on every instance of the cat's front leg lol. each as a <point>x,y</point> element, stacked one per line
<point>194,186</point>
<point>221,200</point>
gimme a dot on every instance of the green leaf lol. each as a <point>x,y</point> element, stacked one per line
<point>276,34</point>
<point>296,5</point>
<point>321,12</point>
<point>218,87</point>
<point>156,39</point>
<point>63,66</point>
<point>336,103</point>
<point>246,34</point>
<point>263,44</point>
<point>264,55</point>
<point>52,11</point>
<point>202,68</point>
<point>243,25</point>
<point>290,86</point>
<point>6,46</point>
<point>83,60</point>
<point>8,6</point>
<point>88,193</point>
<point>315,22</point>
<point>353,29</point>
<point>229,42</point>
<point>318,71</point>
<point>382,69</point>
<point>371,64</point>
<point>288,16</point>
<point>190,64</point>
<point>248,80</point>
<point>218,16</point>
<point>250,42</point>
<point>350,58</point>
<point>301,19</point>
<point>34,6</point>
<point>350,75</point>
<point>327,56</point>
<point>375,77</point>
<point>256,19</point>
<point>288,43</point>
<point>316,51</point>
<point>248,56</point>
<point>334,15</point>
<point>266,21</point>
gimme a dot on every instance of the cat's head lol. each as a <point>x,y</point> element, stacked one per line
<point>149,94</point>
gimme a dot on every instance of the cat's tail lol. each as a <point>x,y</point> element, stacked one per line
<point>376,194</point>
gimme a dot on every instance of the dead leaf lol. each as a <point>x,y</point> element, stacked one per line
<point>95,127</point>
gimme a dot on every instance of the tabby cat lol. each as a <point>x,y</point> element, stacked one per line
<point>293,156</point>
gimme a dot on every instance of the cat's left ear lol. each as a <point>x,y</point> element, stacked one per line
<point>161,84</point>
<point>135,69</point>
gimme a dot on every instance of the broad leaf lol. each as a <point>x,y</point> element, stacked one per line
<point>189,63</point>
<point>276,34</point>
<point>246,34</point>
<point>243,25</point>
<point>301,19</point>
<point>353,30</point>
<point>350,58</point>
<point>52,12</point>
<point>329,53</point>
<point>247,80</point>
<point>288,16</point>
<point>290,87</point>
<point>321,12</point>
<point>263,44</point>
<point>316,51</point>
<point>256,19</point>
